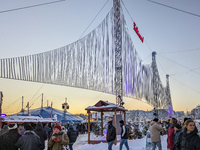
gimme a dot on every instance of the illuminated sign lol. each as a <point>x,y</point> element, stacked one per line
<point>137,31</point>
<point>3,115</point>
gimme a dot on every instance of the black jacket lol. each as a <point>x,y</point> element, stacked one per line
<point>125,135</point>
<point>72,134</point>
<point>29,141</point>
<point>8,140</point>
<point>189,141</point>
<point>42,134</point>
<point>111,133</point>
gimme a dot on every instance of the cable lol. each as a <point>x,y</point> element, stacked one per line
<point>180,64</point>
<point>37,91</point>
<point>90,102</point>
<point>186,85</point>
<point>183,72</point>
<point>127,11</point>
<point>18,107</point>
<point>146,57</point>
<point>12,103</point>
<point>31,102</point>
<point>148,46</point>
<point>174,8</point>
<point>93,19</point>
<point>79,38</point>
<point>190,50</point>
<point>161,66</point>
<point>15,9</point>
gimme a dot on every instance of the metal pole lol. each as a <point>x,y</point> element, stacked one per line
<point>51,109</point>
<point>115,126</point>
<point>101,123</point>
<point>64,115</point>
<point>42,102</point>
<point>28,108</point>
<point>88,127</point>
<point>22,104</point>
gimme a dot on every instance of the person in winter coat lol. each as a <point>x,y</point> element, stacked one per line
<point>58,138</point>
<point>4,130</point>
<point>124,136</point>
<point>170,137</point>
<point>41,133</point>
<point>111,135</point>
<point>155,130</point>
<point>29,141</point>
<point>24,129</point>
<point>8,140</point>
<point>178,130</point>
<point>47,129</point>
<point>189,138</point>
<point>72,134</point>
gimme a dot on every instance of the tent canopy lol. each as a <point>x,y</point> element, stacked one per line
<point>46,112</point>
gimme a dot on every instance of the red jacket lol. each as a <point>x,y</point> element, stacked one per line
<point>170,138</point>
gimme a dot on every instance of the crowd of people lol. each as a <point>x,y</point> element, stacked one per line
<point>29,136</point>
<point>179,136</point>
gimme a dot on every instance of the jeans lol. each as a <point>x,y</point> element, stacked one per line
<point>70,146</point>
<point>158,144</point>
<point>110,144</point>
<point>123,141</point>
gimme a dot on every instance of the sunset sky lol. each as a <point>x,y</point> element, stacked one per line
<point>173,34</point>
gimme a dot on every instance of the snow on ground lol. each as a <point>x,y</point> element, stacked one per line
<point>138,144</point>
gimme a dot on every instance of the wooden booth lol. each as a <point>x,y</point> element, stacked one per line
<point>104,106</point>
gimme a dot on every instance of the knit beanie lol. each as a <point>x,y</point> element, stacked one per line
<point>110,122</point>
<point>155,119</point>
<point>121,121</point>
<point>57,126</point>
<point>177,126</point>
<point>28,127</point>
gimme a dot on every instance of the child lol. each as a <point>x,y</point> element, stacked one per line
<point>58,138</point>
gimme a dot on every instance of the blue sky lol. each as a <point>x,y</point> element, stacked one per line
<point>45,28</point>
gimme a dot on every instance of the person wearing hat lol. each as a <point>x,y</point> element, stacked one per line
<point>72,134</point>
<point>29,141</point>
<point>124,136</point>
<point>111,135</point>
<point>41,133</point>
<point>4,130</point>
<point>8,139</point>
<point>178,130</point>
<point>58,138</point>
<point>155,130</point>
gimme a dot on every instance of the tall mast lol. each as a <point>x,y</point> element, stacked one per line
<point>168,98</point>
<point>118,52</point>
<point>22,104</point>
<point>42,102</point>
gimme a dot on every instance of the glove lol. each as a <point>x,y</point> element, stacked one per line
<point>57,140</point>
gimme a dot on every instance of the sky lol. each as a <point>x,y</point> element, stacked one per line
<point>174,35</point>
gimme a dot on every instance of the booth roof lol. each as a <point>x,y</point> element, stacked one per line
<point>105,106</point>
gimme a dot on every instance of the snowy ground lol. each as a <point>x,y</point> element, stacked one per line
<point>139,144</point>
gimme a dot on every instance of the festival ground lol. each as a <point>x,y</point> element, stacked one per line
<point>138,144</point>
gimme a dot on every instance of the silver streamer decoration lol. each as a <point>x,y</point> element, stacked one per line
<point>89,63</point>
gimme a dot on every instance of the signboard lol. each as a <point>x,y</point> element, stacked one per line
<point>138,33</point>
